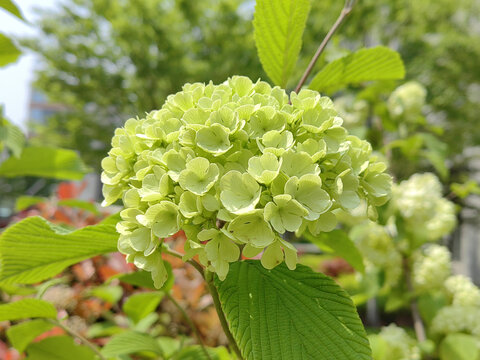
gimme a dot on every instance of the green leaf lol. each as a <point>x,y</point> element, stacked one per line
<point>284,314</point>
<point>459,347</point>
<point>24,202</point>
<point>279,26</point>
<point>58,348</point>
<point>24,333</point>
<point>27,308</point>
<point>144,279</point>
<point>9,53</point>
<point>34,249</point>
<point>377,63</point>
<point>338,243</point>
<point>11,136</point>
<point>138,306</point>
<point>131,342</point>
<point>108,293</point>
<point>10,6</point>
<point>45,162</point>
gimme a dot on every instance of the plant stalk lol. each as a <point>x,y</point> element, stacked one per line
<point>221,315</point>
<point>347,9</point>
<point>190,323</point>
<point>417,319</point>
<point>83,339</point>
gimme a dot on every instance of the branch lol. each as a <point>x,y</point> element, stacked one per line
<point>84,340</point>
<point>347,9</point>
<point>190,323</point>
<point>221,315</point>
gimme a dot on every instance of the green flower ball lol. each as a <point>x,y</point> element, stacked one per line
<point>235,166</point>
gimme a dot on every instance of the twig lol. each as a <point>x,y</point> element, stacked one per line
<point>192,262</point>
<point>221,315</point>
<point>84,340</point>
<point>347,8</point>
<point>190,323</point>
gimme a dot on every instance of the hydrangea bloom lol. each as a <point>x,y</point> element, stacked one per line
<point>431,267</point>
<point>407,100</point>
<point>235,165</point>
<point>400,345</point>
<point>462,291</point>
<point>454,319</point>
<point>378,249</point>
<point>428,216</point>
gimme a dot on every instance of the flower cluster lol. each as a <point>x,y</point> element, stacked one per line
<point>235,164</point>
<point>454,319</point>
<point>462,291</point>
<point>407,100</point>
<point>431,267</point>
<point>427,215</point>
<point>400,345</point>
<point>378,250</point>
<point>464,311</point>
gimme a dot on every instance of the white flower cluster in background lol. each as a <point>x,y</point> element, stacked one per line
<point>378,249</point>
<point>454,319</point>
<point>236,165</point>
<point>463,315</point>
<point>428,216</point>
<point>406,101</point>
<point>431,267</point>
<point>400,345</point>
<point>462,291</point>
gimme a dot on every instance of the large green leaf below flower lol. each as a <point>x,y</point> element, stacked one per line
<point>284,314</point>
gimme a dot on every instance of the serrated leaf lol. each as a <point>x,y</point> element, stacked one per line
<point>24,333</point>
<point>9,53</point>
<point>34,249</point>
<point>279,26</point>
<point>45,162</point>
<point>290,314</point>
<point>138,306</point>
<point>459,347</point>
<point>338,243</point>
<point>27,308</point>
<point>131,342</point>
<point>10,6</point>
<point>378,63</point>
<point>58,348</point>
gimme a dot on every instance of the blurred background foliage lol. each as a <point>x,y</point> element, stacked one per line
<point>110,60</point>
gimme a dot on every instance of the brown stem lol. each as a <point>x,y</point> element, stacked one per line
<point>84,340</point>
<point>347,8</point>
<point>190,323</point>
<point>221,315</point>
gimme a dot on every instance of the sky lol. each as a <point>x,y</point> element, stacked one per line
<point>15,79</point>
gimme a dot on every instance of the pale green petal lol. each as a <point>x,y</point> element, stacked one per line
<point>276,142</point>
<point>213,139</point>
<point>250,251</point>
<point>290,254</point>
<point>188,204</point>
<point>325,223</point>
<point>285,213</point>
<point>251,228</point>
<point>199,176</point>
<point>298,164</point>
<point>264,168</point>
<point>316,121</point>
<point>272,256</point>
<point>240,193</point>
<point>308,191</point>
<point>163,218</point>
